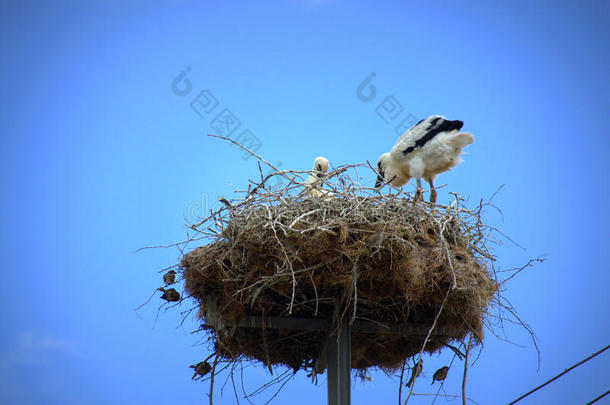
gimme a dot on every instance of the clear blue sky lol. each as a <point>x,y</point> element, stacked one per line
<point>101,157</point>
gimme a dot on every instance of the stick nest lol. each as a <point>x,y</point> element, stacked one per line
<point>384,260</point>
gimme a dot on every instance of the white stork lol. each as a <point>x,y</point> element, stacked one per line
<point>430,147</point>
<point>314,181</point>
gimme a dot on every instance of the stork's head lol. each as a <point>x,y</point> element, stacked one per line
<point>388,172</point>
<point>320,164</point>
<point>382,165</point>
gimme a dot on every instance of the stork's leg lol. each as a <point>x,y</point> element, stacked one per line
<point>432,191</point>
<point>419,192</point>
<point>416,169</point>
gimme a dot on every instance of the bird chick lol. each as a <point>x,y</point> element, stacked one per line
<point>415,371</point>
<point>314,181</point>
<point>425,150</point>
<point>170,294</point>
<point>169,277</point>
<point>440,374</point>
<point>201,369</point>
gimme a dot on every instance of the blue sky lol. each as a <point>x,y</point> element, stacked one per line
<point>102,157</point>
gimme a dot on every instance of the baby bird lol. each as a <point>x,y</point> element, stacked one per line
<point>201,369</point>
<point>425,150</point>
<point>170,294</point>
<point>314,181</point>
<point>169,277</point>
<point>440,374</point>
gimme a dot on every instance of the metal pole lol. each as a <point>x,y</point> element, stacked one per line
<point>339,363</point>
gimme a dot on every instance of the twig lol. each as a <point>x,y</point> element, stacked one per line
<point>402,373</point>
<point>246,149</point>
<point>456,351</point>
<point>465,370</point>
<point>452,396</point>
<point>212,379</point>
<point>530,263</point>
<point>146,302</point>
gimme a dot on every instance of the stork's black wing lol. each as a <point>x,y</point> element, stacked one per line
<point>424,131</point>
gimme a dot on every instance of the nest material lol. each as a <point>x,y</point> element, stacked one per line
<point>372,258</point>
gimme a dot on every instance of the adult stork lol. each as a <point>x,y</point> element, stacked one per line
<point>430,147</point>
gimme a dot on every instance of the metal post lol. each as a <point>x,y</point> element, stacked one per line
<point>339,365</point>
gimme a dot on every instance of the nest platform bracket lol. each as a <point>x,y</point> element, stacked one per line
<point>338,347</point>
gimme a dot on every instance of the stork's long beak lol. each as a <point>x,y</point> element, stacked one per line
<point>380,179</point>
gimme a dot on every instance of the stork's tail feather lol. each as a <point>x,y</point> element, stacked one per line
<point>461,139</point>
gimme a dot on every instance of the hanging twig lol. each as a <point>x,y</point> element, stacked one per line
<point>402,373</point>
<point>466,369</point>
<point>213,373</point>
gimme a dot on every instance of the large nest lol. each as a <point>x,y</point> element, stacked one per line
<point>405,270</point>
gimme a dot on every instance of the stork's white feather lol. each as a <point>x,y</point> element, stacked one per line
<point>326,195</point>
<point>430,147</point>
